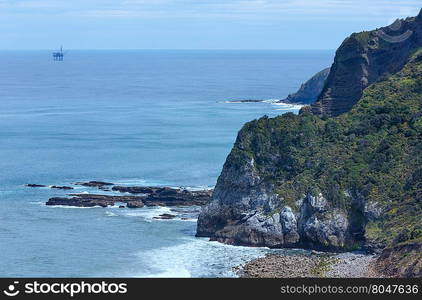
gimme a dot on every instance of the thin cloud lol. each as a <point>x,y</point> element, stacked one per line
<point>253,9</point>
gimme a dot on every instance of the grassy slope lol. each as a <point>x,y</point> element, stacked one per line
<point>374,151</point>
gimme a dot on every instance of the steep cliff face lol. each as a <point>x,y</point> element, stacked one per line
<point>364,58</point>
<point>353,181</point>
<point>309,91</point>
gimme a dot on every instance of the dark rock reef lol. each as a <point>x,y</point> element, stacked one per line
<point>310,90</point>
<point>91,200</point>
<point>98,184</point>
<point>156,197</point>
<point>136,189</point>
<point>178,197</point>
<point>146,195</point>
<point>246,101</point>
<point>340,183</point>
<point>165,217</point>
<point>365,58</point>
<point>57,187</point>
<point>60,187</point>
<point>34,185</point>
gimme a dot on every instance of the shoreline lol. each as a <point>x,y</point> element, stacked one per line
<point>312,264</point>
<point>315,265</point>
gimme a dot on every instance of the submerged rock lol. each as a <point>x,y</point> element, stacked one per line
<point>135,189</point>
<point>61,187</point>
<point>134,204</point>
<point>165,217</point>
<point>245,101</point>
<point>98,184</point>
<point>35,185</point>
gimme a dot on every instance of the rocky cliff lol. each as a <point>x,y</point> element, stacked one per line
<point>348,182</point>
<point>365,58</point>
<point>309,91</point>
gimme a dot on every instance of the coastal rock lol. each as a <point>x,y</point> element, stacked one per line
<point>91,200</point>
<point>327,230</point>
<point>290,226</point>
<point>61,187</point>
<point>365,58</point>
<point>98,184</point>
<point>177,197</point>
<point>135,189</point>
<point>134,204</point>
<point>165,217</point>
<point>166,196</point>
<point>160,196</point>
<point>255,230</point>
<point>245,101</point>
<point>315,225</point>
<point>77,202</point>
<point>309,91</point>
<point>33,185</point>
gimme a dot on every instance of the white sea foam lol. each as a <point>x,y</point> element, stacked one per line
<point>110,214</point>
<point>276,102</point>
<point>147,213</point>
<point>198,188</point>
<point>138,182</point>
<point>271,100</point>
<point>195,257</point>
<point>72,207</point>
<point>286,106</point>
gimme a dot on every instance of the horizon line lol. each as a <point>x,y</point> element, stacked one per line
<point>172,49</point>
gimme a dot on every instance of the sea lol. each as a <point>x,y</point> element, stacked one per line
<point>147,117</point>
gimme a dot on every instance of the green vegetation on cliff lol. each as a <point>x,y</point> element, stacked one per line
<point>373,153</point>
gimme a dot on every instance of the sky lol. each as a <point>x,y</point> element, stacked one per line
<point>192,24</point>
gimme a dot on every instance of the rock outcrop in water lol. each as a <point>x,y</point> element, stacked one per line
<point>91,200</point>
<point>365,58</point>
<point>309,91</point>
<point>146,195</point>
<point>347,182</point>
<point>34,185</point>
<point>152,196</point>
<point>98,184</point>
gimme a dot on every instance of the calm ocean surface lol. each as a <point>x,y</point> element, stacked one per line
<point>129,117</point>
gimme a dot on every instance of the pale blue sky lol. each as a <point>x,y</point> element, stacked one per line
<point>192,24</point>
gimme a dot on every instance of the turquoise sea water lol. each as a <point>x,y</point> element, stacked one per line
<point>129,117</point>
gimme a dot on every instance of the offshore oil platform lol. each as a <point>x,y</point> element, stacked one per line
<point>59,55</point>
